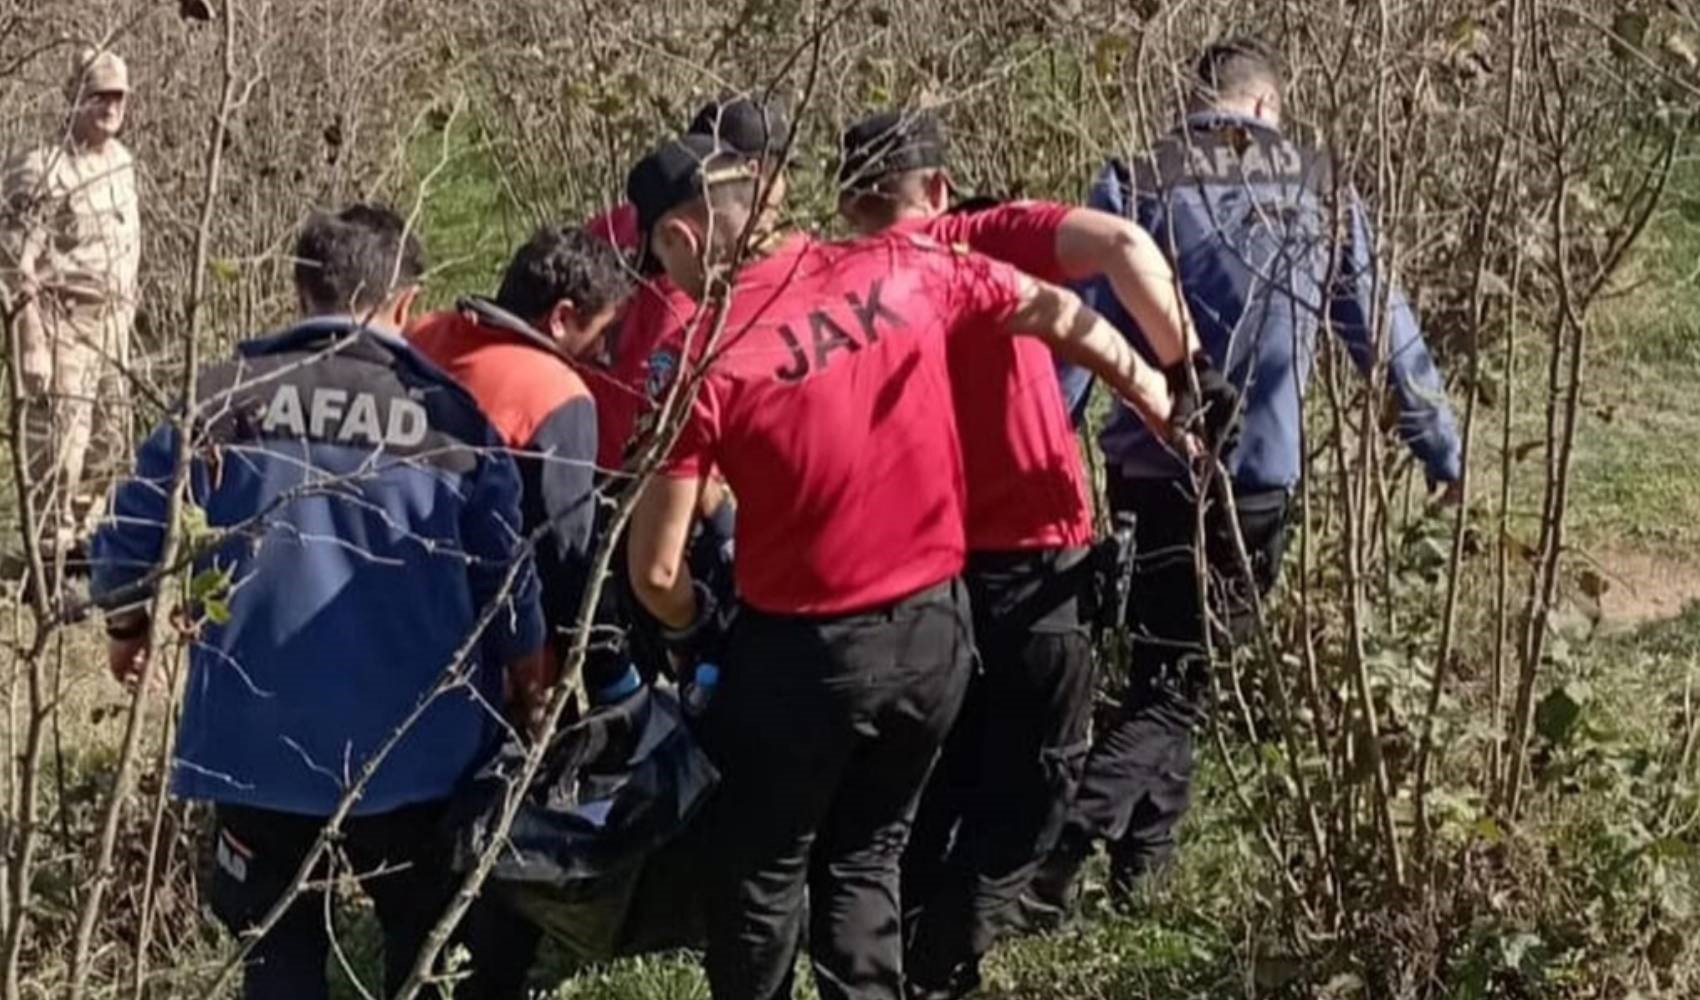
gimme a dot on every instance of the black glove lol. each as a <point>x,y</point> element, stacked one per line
<point>703,640</point>
<point>1112,573</point>
<point>1213,411</point>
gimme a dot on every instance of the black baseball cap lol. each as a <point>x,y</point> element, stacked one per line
<point>744,124</point>
<point>889,142</point>
<point>674,173</point>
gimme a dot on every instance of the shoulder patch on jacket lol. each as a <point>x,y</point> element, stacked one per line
<point>662,365</point>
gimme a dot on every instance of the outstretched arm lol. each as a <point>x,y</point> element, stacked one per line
<point>1092,243</point>
<point>1076,333</point>
<point>1426,423</point>
<point>126,550</point>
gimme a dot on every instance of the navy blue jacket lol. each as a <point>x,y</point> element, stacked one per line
<point>1243,214</point>
<point>372,514</point>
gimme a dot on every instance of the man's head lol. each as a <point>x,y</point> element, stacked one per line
<point>99,90</point>
<point>893,167</point>
<point>694,200</point>
<point>1242,75</point>
<point>360,262</point>
<point>568,284</point>
<point>757,129</point>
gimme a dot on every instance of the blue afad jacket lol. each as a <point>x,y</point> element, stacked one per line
<point>370,515</point>
<point>1245,216</point>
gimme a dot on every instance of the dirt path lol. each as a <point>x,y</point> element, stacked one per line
<point>1646,586</point>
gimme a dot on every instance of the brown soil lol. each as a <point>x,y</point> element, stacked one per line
<point>1646,586</point>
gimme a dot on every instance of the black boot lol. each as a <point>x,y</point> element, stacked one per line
<point>964,982</point>
<point>1054,893</point>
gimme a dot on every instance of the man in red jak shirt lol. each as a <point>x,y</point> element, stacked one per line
<point>825,401</point>
<point>997,800</point>
<point>638,368</point>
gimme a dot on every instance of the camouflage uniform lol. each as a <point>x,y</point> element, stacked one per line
<point>71,245</point>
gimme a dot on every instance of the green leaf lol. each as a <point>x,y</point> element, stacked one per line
<point>1665,948</point>
<point>194,523</point>
<point>1488,830</point>
<point>1108,53</point>
<point>208,583</point>
<point>225,270</point>
<point>1670,849</point>
<point>1559,713</point>
<point>1466,31</point>
<point>1272,972</point>
<point>216,610</point>
<point>1628,33</point>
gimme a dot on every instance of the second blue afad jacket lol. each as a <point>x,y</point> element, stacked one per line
<point>371,517</point>
<point>1245,216</point>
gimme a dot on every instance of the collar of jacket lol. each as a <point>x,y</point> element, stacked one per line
<point>1201,120</point>
<point>484,313</point>
<point>315,329</point>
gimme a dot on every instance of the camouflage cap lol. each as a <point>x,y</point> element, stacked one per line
<point>98,71</point>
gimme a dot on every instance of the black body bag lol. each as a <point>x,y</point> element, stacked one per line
<point>602,855</point>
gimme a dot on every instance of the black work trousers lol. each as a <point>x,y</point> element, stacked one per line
<point>826,730</point>
<point>998,798</point>
<point>400,858</point>
<point>1138,780</point>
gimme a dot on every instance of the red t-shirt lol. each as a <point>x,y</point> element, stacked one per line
<point>827,408</point>
<point>618,225</point>
<point>1026,484</point>
<point>626,388</point>
<point>639,370</point>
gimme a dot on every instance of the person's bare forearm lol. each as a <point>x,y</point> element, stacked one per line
<point>1079,334</point>
<point>1097,345</point>
<point>655,548</point>
<point>1090,243</point>
<point>673,605</point>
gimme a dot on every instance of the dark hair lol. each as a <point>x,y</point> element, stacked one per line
<point>355,259</point>
<point>976,204</point>
<point>882,202</point>
<point>1237,66</point>
<point>559,263</point>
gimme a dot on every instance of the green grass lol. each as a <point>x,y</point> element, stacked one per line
<point>469,224</point>
<point>1637,481</point>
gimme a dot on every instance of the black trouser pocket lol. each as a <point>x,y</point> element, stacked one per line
<point>1062,767</point>
<point>255,857</point>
